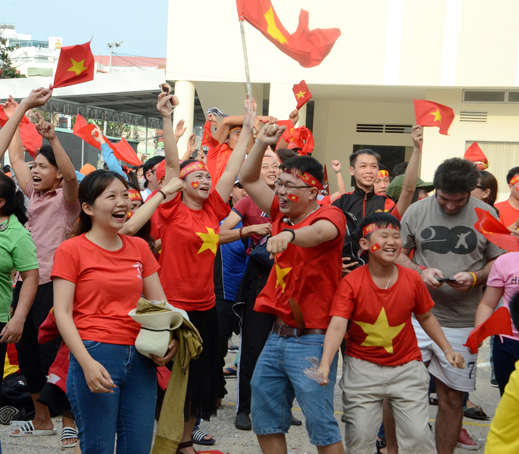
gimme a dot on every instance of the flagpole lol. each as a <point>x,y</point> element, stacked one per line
<point>245,59</point>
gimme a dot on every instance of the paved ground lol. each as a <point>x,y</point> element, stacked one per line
<point>230,440</point>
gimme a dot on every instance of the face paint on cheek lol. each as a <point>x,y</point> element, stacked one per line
<point>375,247</point>
<point>195,184</point>
<point>293,197</point>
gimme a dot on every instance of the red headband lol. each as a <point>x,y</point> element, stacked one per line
<point>370,228</point>
<point>382,174</point>
<point>198,165</point>
<point>306,178</point>
<point>134,195</point>
<point>514,180</point>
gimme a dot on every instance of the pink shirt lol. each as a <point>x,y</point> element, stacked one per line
<point>50,221</point>
<point>505,274</point>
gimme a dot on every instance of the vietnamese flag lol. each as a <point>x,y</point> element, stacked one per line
<point>430,113</point>
<point>475,154</point>
<point>31,139</point>
<point>303,138</point>
<point>307,47</point>
<point>293,197</point>
<point>122,150</point>
<point>75,66</point>
<point>301,93</point>
<point>498,323</point>
<point>207,139</point>
<point>495,232</point>
<point>289,131</point>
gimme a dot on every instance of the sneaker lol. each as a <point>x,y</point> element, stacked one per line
<point>296,422</point>
<point>243,422</point>
<point>466,442</point>
<point>8,414</point>
<point>493,381</point>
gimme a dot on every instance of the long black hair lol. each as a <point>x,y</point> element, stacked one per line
<point>14,199</point>
<point>92,186</point>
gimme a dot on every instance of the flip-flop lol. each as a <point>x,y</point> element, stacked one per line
<point>28,430</point>
<point>230,372</point>
<point>66,434</point>
<point>475,413</point>
<point>198,437</point>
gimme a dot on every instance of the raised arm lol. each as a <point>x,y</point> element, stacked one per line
<point>65,166</point>
<point>170,144</point>
<point>249,177</point>
<point>108,154</point>
<point>411,173</point>
<point>226,181</point>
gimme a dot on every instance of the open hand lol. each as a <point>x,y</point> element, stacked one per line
<point>347,265</point>
<point>10,106</point>
<point>97,377</point>
<point>250,113</point>
<point>180,129</point>
<point>12,332</point>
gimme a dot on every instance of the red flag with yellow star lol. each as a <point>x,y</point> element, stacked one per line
<point>75,66</point>
<point>495,232</point>
<point>301,93</point>
<point>430,113</point>
<point>498,323</point>
<point>307,47</point>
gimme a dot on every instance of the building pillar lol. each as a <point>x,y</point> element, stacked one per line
<point>185,92</point>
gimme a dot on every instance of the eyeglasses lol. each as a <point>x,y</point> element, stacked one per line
<point>278,184</point>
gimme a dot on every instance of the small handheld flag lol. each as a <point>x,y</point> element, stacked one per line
<point>494,231</point>
<point>302,94</point>
<point>75,65</point>
<point>475,154</point>
<point>498,323</point>
<point>430,113</point>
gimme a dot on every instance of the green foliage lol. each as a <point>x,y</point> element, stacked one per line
<point>7,71</point>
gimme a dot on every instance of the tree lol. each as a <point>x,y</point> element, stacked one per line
<point>7,71</point>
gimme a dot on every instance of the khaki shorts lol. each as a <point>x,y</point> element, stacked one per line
<point>366,384</point>
<point>458,379</point>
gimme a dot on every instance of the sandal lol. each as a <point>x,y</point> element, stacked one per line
<point>230,372</point>
<point>198,437</point>
<point>186,444</point>
<point>28,430</point>
<point>475,413</point>
<point>66,434</point>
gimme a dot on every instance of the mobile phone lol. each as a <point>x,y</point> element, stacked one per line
<point>445,279</point>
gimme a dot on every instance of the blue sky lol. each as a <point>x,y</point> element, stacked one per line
<point>142,25</point>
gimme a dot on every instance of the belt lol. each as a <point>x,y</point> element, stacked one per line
<point>288,331</point>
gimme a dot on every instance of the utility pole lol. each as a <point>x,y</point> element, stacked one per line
<point>111,46</point>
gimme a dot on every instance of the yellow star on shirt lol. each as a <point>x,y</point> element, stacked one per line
<point>301,94</point>
<point>77,67</point>
<point>380,334</point>
<point>210,240</point>
<point>280,274</point>
<point>437,116</point>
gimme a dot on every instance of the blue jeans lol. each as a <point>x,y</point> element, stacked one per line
<point>129,411</point>
<point>279,377</point>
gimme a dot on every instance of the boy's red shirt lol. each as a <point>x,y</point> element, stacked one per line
<point>381,330</point>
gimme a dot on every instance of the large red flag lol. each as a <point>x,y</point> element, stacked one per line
<point>75,66</point>
<point>475,154</point>
<point>430,113</point>
<point>122,150</point>
<point>31,139</point>
<point>498,323</point>
<point>301,93</point>
<point>494,231</point>
<point>302,138</point>
<point>307,47</point>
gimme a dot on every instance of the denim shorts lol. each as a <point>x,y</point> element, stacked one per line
<point>279,378</point>
<point>128,412</point>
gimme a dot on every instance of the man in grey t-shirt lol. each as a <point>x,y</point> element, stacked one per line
<point>440,231</point>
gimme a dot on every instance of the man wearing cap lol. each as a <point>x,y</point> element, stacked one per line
<point>306,246</point>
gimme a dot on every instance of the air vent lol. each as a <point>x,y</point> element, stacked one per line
<point>370,128</point>
<point>484,96</point>
<point>473,116</point>
<point>513,96</point>
<point>398,129</point>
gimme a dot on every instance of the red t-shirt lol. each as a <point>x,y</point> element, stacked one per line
<point>189,245</point>
<point>325,201</point>
<point>507,213</point>
<point>381,330</point>
<point>217,159</point>
<point>310,275</point>
<point>108,285</point>
<point>251,214</point>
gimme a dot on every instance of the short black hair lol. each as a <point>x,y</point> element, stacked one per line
<point>456,176</point>
<point>512,173</point>
<point>353,156</point>
<point>382,167</point>
<point>513,307</point>
<point>149,164</point>
<point>48,153</point>
<point>380,219</point>
<point>400,168</point>
<point>305,164</point>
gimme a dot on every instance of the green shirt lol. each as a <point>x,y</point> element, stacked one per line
<point>17,251</point>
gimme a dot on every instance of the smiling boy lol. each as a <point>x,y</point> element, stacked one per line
<point>382,357</point>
